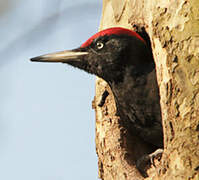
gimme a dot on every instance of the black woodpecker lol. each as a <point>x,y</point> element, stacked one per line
<point>122,58</point>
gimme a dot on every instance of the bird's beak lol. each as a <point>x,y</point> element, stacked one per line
<point>62,56</point>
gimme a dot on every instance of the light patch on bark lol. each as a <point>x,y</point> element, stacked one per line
<point>118,7</point>
<point>176,20</point>
<point>163,76</point>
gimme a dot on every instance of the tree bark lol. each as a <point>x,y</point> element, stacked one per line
<point>173,28</point>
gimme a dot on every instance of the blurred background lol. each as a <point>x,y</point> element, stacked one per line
<point>47,125</point>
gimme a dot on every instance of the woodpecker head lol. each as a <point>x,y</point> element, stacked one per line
<point>107,54</point>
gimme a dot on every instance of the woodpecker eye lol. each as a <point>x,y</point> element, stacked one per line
<point>100,45</point>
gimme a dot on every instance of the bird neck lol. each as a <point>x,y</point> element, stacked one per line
<point>137,95</point>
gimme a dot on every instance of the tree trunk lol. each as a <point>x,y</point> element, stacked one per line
<point>173,28</point>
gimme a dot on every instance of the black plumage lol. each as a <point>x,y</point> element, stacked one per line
<point>123,60</point>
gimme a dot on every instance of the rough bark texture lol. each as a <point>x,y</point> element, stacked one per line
<point>173,27</point>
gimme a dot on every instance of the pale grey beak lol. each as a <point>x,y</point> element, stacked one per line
<point>62,56</point>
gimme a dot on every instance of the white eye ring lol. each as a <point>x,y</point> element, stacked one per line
<point>100,45</point>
